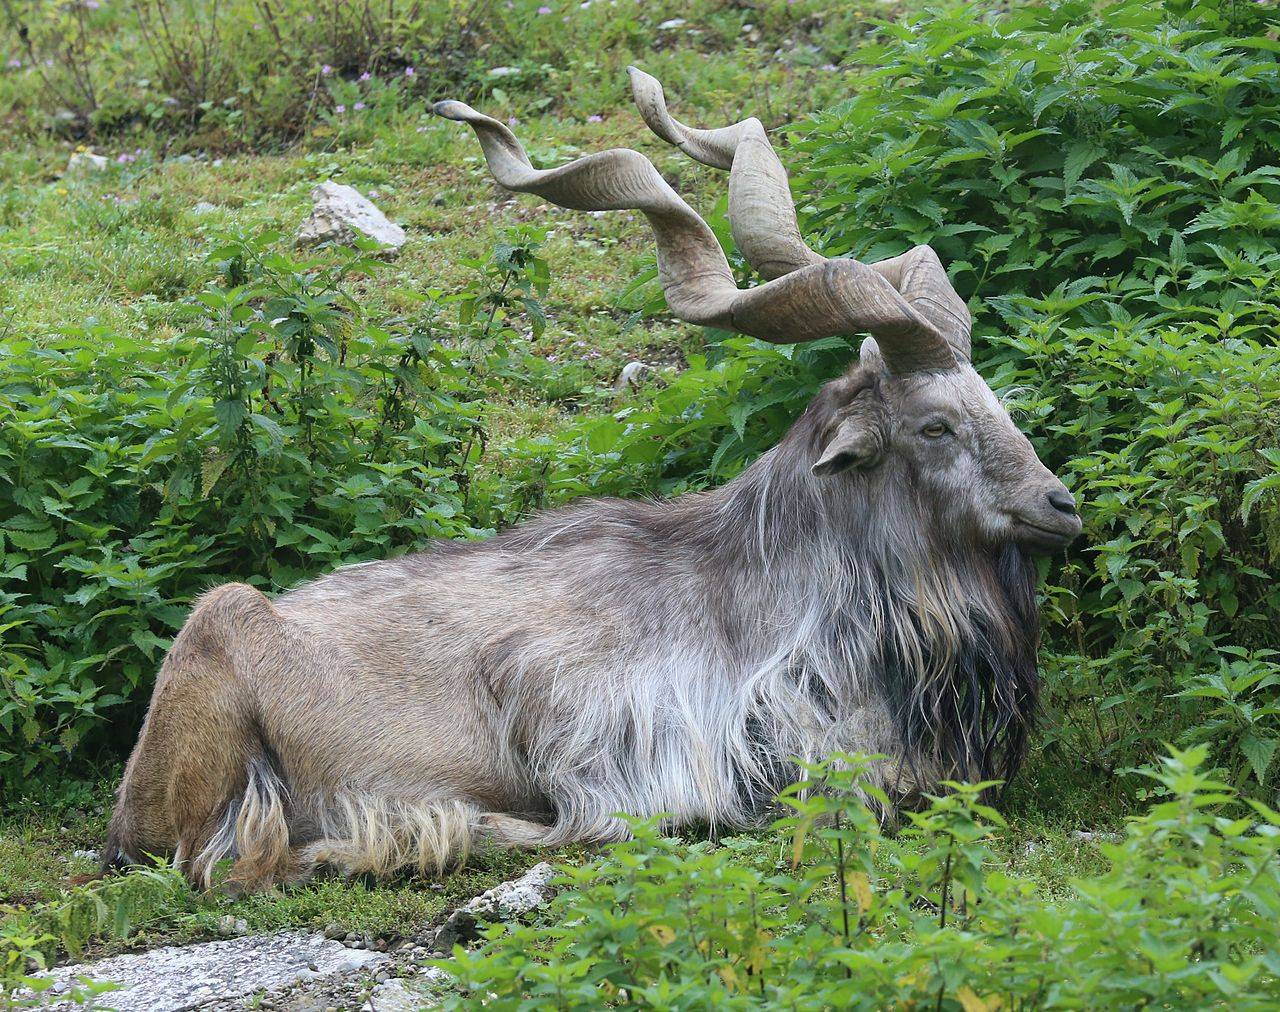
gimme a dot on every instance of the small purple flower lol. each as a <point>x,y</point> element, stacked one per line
<point>326,70</point>
<point>125,158</point>
<point>339,109</point>
<point>91,5</point>
<point>595,118</point>
<point>15,64</point>
<point>311,19</point>
<point>358,106</point>
<point>409,72</point>
<point>829,67</point>
<point>544,10</point>
<point>512,121</point>
<point>170,100</point>
<point>365,76</point>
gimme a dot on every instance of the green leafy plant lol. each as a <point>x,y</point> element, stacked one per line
<point>849,918</point>
<point>112,907</point>
<point>302,433</point>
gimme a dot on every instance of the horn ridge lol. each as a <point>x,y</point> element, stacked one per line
<point>762,214</point>
<point>822,298</point>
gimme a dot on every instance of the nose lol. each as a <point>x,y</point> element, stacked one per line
<point>1062,500</point>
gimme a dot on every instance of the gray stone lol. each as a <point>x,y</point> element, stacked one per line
<point>341,213</point>
<point>231,925</point>
<point>632,376</point>
<point>86,163</point>
<point>405,996</point>
<point>504,902</point>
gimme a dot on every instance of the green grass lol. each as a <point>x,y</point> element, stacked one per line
<point>38,865</point>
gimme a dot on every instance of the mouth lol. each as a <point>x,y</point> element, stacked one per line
<point>1044,538</point>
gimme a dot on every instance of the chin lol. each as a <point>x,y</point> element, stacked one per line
<point>1037,540</point>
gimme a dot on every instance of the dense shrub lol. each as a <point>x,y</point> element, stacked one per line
<point>281,435</point>
<point>1104,183</point>
<point>849,919</point>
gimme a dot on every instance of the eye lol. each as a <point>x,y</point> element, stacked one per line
<point>936,430</point>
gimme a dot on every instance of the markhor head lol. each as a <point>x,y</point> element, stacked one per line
<point>912,410</point>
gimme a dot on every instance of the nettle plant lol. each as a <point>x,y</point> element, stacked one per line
<point>282,432</point>
<point>836,915</point>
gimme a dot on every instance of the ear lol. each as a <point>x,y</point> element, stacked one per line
<point>857,435</point>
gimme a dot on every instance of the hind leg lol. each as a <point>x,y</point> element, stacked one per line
<point>511,832</point>
<point>186,790</point>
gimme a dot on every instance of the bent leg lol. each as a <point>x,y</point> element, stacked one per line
<point>184,789</point>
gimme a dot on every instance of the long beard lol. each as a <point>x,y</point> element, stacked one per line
<point>968,715</point>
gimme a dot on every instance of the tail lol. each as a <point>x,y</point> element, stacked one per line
<point>254,831</point>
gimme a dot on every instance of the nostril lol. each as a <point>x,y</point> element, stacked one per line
<point>1063,501</point>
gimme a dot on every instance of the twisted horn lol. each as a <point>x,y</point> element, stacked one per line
<point>762,216</point>
<point>823,299</point>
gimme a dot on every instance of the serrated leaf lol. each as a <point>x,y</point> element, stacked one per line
<point>1080,156</point>
<point>1259,752</point>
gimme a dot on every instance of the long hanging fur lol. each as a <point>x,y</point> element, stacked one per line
<point>839,625</point>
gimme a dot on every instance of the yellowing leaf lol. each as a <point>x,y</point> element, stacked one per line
<point>662,933</point>
<point>970,1001</point>
<point>797,843</point>
<point>730,977</point>
<point>757,956</point>
<point>860,886</point>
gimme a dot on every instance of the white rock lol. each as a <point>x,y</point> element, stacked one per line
<point>503,71</point>
<point>204,207</point>
<point>519,896</point>
<point>86,163</point>
<point>668,25</point>
<point>340,213</point>
<point>1092,836</point>
<point>632,375</point>
<point>87,855</point>
<point>397,996</point>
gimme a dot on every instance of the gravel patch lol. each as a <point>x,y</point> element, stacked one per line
<point>176,978</point>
